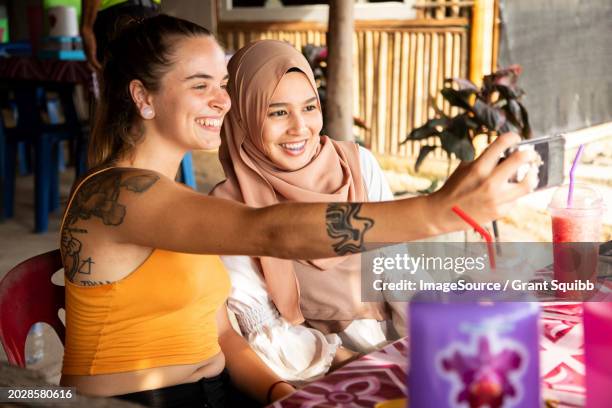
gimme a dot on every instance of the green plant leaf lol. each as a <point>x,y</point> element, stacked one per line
<point>461,125</point>
<point>425,150</point>
<point>505,76</point>
<point>516,114</point>
<point>462,84</point>
<point>493,118</point>
<point>509,127</point>
<point>496,109</point>
<point>508,91</point>
<point>458,98</point>
<point>526,130</point>
<point>470,122</point>
<point>461,147</point>
<point>459,129</point>
<point>427,130</point>
<point>513,113</point>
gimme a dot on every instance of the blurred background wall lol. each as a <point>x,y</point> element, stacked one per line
<point>198,11</point>
<point>565,49</point>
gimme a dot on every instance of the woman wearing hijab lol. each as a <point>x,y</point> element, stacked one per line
<point>272,152</point>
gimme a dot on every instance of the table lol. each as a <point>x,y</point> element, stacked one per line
<point>381,375</point>
<point>47,70</point>
<point>26,77</point>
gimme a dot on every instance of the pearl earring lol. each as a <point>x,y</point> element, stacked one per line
<point>147,112</point>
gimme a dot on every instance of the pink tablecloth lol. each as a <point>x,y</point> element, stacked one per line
<point>381,375</point>
<point>562,354</point>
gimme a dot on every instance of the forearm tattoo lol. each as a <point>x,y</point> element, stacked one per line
<point>346,227</point>
<point>98,198</point>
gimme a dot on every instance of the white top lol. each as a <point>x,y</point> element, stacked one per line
<point>294,352</point>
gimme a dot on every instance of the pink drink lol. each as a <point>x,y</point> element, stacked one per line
<point>576,232</point>
<point>568,228</point>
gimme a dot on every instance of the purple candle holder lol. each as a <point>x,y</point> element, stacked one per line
<point>468,352</point>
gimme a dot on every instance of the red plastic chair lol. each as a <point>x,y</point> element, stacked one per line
<point>28,296</point>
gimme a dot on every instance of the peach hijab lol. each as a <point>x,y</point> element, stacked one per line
<point>333,175</point>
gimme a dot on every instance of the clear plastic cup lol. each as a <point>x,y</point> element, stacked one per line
<point>582,221</point>
<point>576,232</point>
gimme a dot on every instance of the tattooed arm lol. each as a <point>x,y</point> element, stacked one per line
<point>175,218</point>
<point>146,209</point>
<point>309,231</point>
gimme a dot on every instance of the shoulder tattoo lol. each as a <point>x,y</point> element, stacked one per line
<point>98,198</point>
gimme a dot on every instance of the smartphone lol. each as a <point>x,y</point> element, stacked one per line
<point>551,167</point>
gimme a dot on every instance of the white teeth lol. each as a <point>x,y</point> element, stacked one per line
<point>293,146</point>
<point>209,122</point>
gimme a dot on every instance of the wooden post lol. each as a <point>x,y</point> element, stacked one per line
<point>496,32</point>
<point>481,42</point>
<point>339,103</point>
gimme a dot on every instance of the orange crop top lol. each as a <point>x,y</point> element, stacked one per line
<point>163,313</point>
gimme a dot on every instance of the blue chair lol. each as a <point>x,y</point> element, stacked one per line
<point>48,158</point>
<point>45,139</point>
<point>187,173</point>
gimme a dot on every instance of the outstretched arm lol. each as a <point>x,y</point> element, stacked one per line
<point>146,209</point>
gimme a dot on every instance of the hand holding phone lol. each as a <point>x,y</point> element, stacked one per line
<point>551,150</point>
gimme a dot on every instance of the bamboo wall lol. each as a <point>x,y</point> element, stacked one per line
<point>399,68</point>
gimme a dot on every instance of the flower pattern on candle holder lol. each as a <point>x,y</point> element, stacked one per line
<point>482,376</point>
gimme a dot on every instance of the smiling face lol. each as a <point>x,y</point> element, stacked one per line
<point>293,122</point>
<point>192,100</point>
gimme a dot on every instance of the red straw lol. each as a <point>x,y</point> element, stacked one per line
<point>483,233</point>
